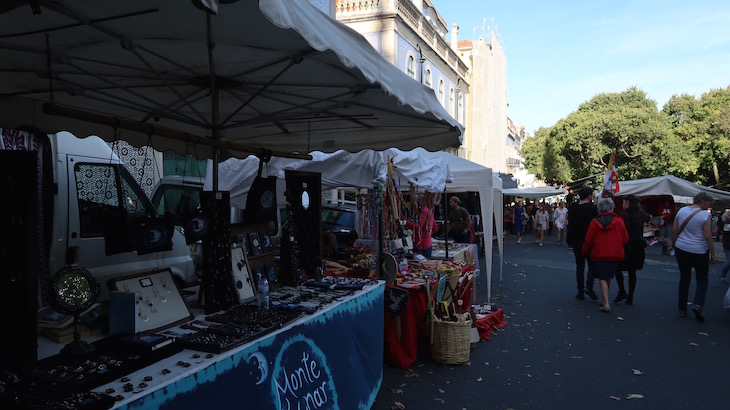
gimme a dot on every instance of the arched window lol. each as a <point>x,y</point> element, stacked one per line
<point>460,110</point>
<point>428,78</point>
<point>441,92</point>
<point>410,66</point>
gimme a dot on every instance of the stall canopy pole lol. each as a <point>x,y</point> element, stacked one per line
<point>214,126</point>
<point>446,225</point>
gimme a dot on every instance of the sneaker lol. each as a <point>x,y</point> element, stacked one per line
<point>580,296</point>
<point>699,314</point>
<point>621,296</point>
<point>592,294</point>
<point>519,241</point>
<point>605,309</point>
<point>540,243</point>
<point>629,300</point>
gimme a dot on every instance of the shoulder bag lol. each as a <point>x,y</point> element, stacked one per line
<point>686,221</point>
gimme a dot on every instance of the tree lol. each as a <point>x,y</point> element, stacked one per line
<point>701,131</point>
<point>579,146</point>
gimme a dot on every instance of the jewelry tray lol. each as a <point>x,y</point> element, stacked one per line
<point>159,303</point>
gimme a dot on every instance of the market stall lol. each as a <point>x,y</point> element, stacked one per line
<point>681,190</point>
<point>661,197</point>
<point>427,284</point>
<point>148,74</point>
<point>321,360</point>
<point>470,176</point>
<point>215,360</point>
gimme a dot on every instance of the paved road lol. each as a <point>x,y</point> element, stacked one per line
<point>558,352</point>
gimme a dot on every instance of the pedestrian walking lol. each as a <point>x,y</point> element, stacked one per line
<point>560,216</point>
<point>580,214</point>
<point>634,218</point>
<point>518,220</point>
<point>604,246</point>
<point>541,221</point>
<point>720,227</point>
<point>725,246</point>
<point>692,241</point>
<point>551,219</point>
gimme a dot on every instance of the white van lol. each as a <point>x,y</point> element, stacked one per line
<point>91,188</point>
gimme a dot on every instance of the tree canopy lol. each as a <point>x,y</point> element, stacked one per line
<point>688,138</point>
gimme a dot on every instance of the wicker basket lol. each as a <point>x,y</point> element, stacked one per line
<point>450,343</point>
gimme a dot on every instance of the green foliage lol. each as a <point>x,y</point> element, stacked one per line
<point>689,138</point>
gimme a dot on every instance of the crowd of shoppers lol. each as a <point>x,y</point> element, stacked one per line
<point>606,244</point>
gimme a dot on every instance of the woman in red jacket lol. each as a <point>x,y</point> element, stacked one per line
<point>425,227</point>
<point>604,246</point>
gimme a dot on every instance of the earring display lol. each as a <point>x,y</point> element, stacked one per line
<point>220,337</point>
<point>112,357</point>
<point>266,241</point>
<point>256,248</point>
<point>158,301</point>
<point>242,280</point>
<point>251,315</point>
<point>219,292</point>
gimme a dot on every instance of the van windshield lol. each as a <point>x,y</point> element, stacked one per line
<point>107,191</point>
<point>176,200</point>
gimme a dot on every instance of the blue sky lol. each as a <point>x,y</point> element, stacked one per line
<point>562,53</point>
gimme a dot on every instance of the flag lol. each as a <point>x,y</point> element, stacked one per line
<point>610,181</point>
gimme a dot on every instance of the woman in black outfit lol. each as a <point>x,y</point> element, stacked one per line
<point>634,219</point>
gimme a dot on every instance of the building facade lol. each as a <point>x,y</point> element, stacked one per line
<point>487,63</point>
<point>411,34</point>
<point>469,77</point>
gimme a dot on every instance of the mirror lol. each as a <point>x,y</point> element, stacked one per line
<point>73,290</point>
<point>305,200</point>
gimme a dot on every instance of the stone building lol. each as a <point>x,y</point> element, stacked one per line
<point>469,77</point>
<point>411,34</point>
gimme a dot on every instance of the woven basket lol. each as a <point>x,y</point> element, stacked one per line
<point>451,341</point>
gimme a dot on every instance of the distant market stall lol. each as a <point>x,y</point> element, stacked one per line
<point>681,190</point>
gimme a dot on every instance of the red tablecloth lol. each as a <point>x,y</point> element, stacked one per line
<point>404,352</point>
<point>489,323</point>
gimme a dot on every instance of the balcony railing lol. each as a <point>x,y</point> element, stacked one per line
<point>359,9</point>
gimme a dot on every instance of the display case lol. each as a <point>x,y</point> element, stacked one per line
<point>261,259</point>
<point>158,302</point>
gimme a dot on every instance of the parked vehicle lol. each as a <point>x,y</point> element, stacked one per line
<point>91,189</point>
<point>340,220</point>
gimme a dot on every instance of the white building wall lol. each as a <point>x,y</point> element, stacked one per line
<point>489,104</point>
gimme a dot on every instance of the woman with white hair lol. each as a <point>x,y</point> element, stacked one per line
<point>604,245</point>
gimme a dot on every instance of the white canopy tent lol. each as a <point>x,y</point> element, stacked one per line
<point>682,190</point>
<point>470,176</point>
<point>536,192</point>
<point>241,77</point>
<point>338,169</point>
<point>432,171</point>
